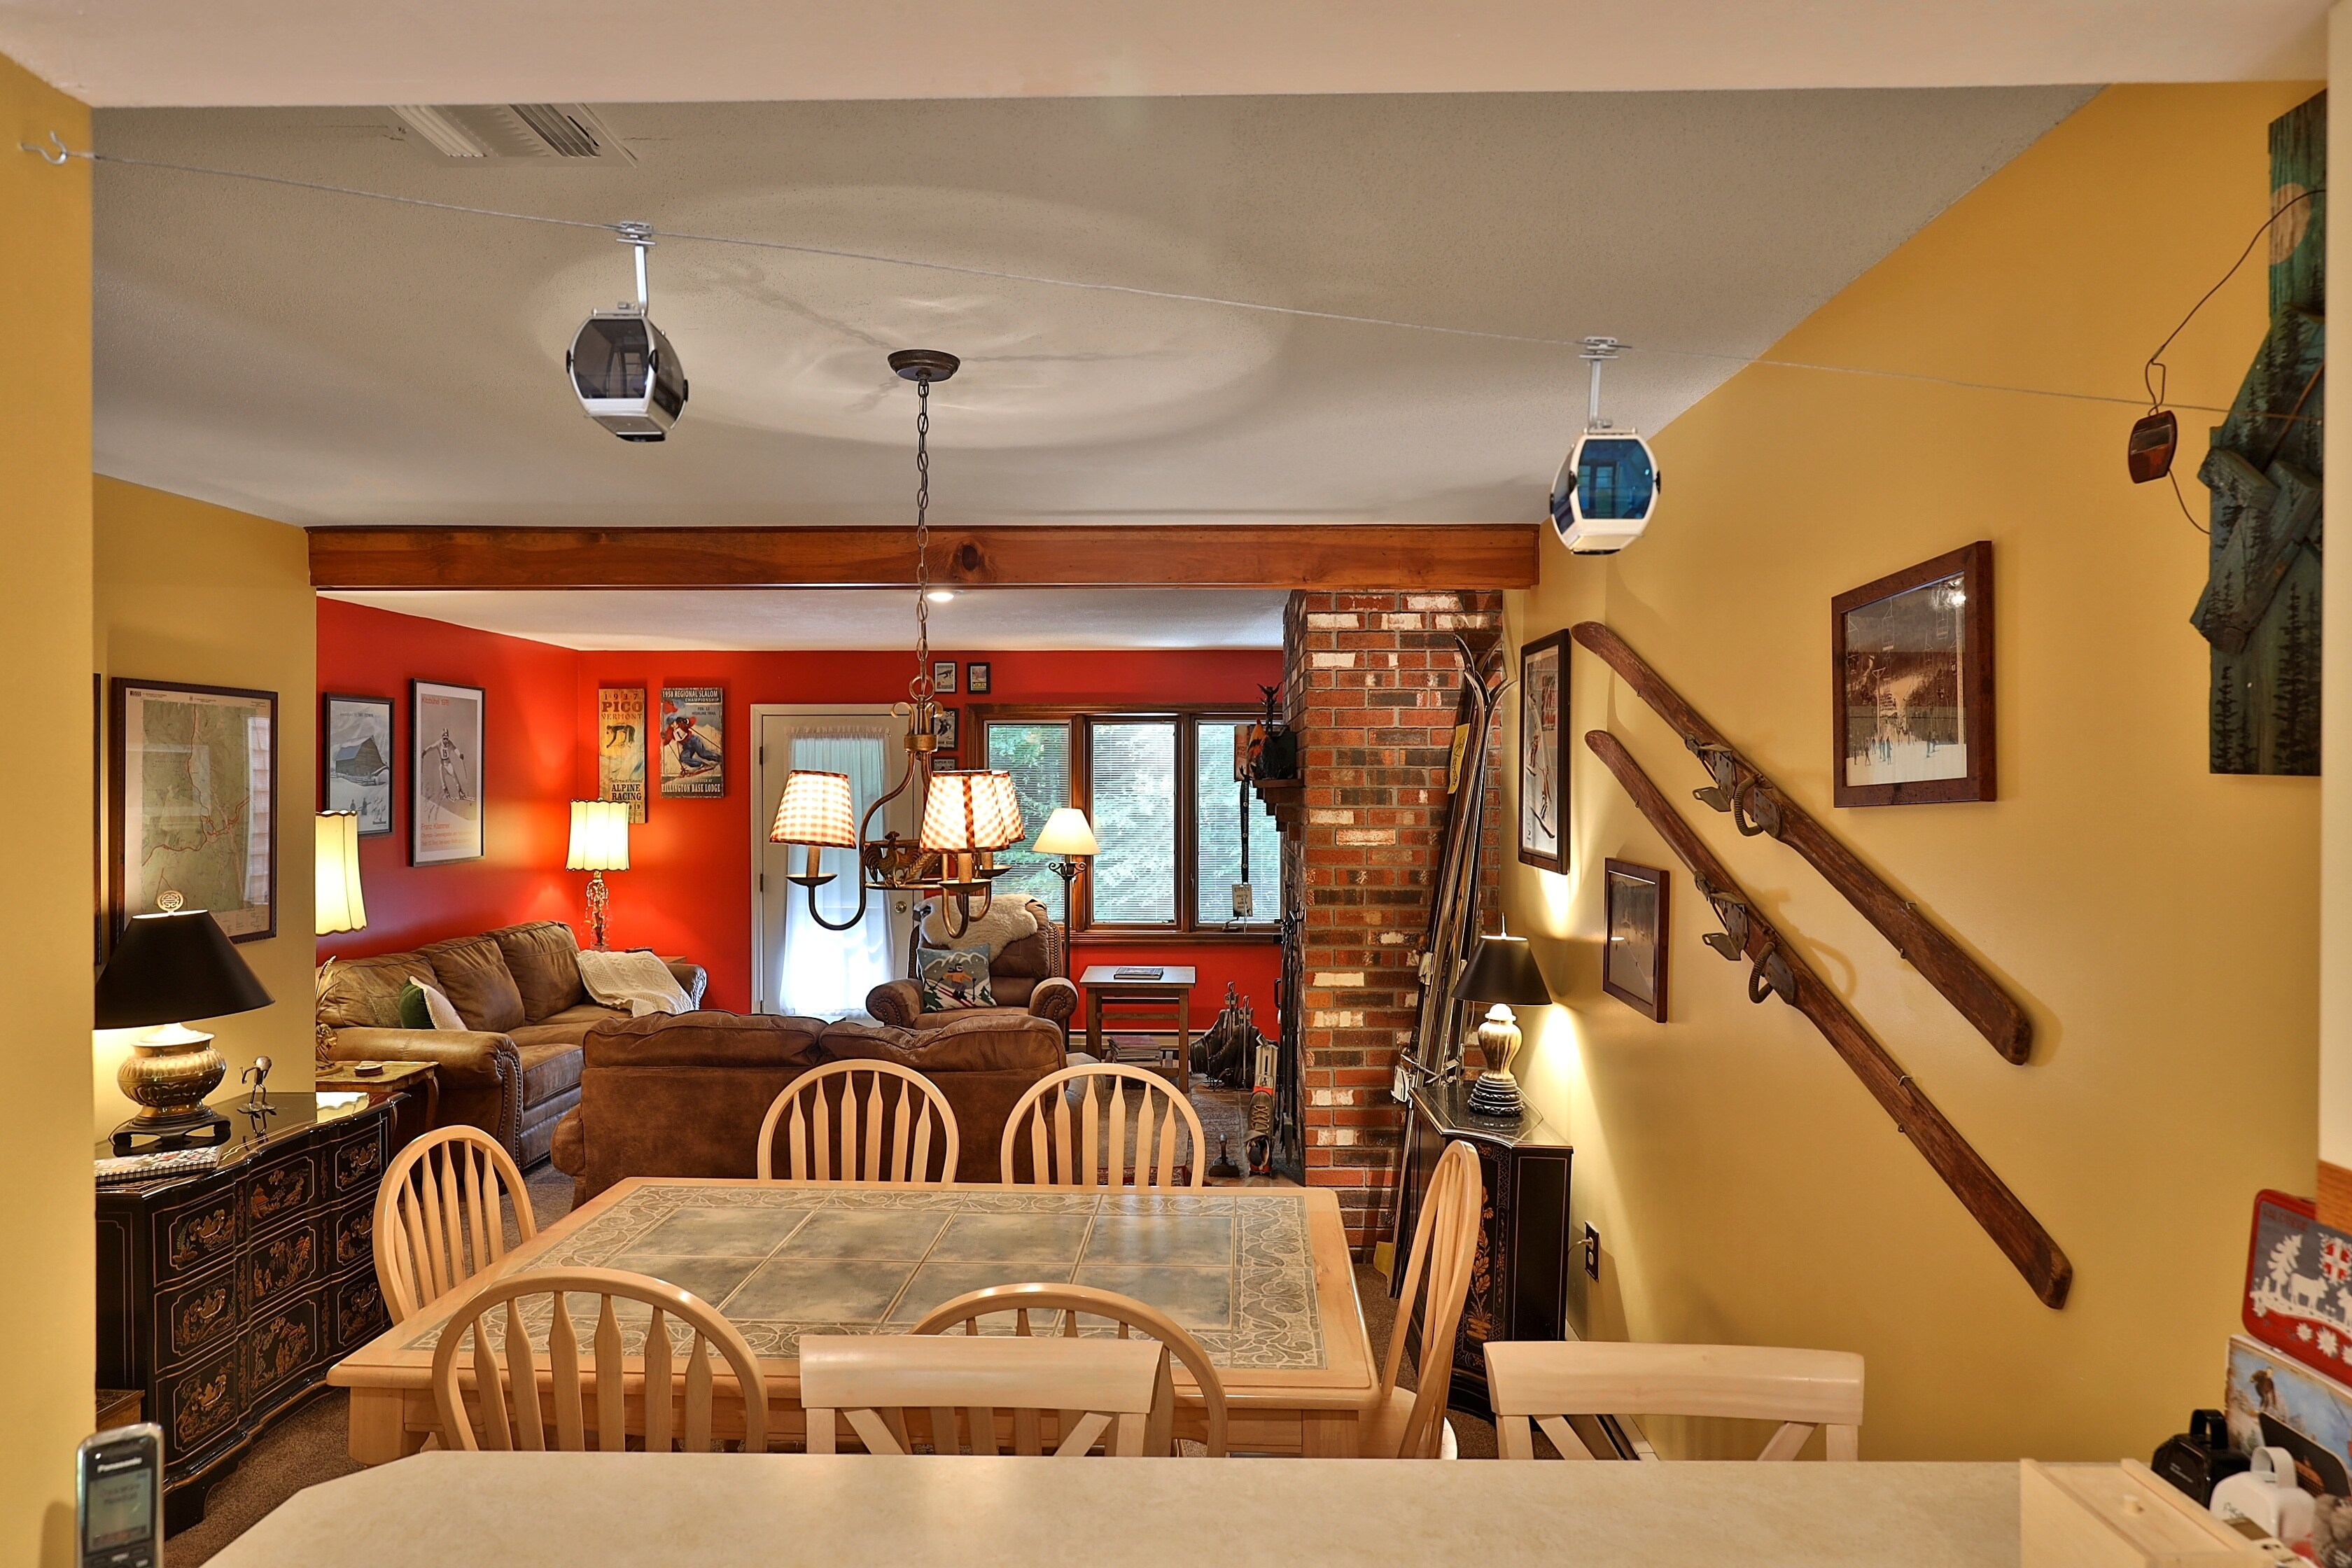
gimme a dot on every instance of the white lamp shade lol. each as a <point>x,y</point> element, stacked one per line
<point>1067,834</point>
<point>816,808</point>
<point>339,905</point>
<point>971,810</point>
<point>600,836</point>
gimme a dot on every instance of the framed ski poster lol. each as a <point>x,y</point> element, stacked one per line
<point>1543,756</point>
<point>621,747</point>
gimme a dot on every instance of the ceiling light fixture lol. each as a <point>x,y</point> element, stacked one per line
<point>968,815</point>
<point>1608,488</point>
<point>941,595</point>
<point>627,377</point>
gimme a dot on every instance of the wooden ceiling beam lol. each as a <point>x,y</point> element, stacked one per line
<point>1337,556</point>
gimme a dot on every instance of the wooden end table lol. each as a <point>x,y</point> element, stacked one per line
<point>397,1077</point>
<point>1173,988</point>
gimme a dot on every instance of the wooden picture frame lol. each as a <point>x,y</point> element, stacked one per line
<point>1911,684</point>
<point>976,679</point>
<point>447,772</point>
<point>358,749</point>
<point>1543,752</point>
<point>205,781</point>
<point>1637,927</point>
<point>620,748</point>
<point>693,742</point>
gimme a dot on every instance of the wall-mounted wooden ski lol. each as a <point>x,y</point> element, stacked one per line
<point>1779,970</point>
<point>1758,805</point>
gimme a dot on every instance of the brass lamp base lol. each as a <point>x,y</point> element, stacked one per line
<point>168,1073</point>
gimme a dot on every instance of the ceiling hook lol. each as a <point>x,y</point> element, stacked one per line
<point>41,152</point>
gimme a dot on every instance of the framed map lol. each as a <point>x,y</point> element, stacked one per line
<point>693,742</point>
<point>621,747</point>
<point>445,773</point>
<point>355,760</point>
<point>192,772</point>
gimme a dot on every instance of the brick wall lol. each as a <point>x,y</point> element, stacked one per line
<point>1370,683</point>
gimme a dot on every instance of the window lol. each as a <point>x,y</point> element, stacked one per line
<point>1167,810</point>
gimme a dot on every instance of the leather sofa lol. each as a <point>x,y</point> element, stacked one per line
<point>514,1070</point>
<point>684,1095</point>
<point>1026,979</point>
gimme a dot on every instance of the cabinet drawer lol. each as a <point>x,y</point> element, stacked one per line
<point>192,1317</point>
<point>358,1315</point>
<point>197,1234</point>
<point>277,1266</point>
<point>281,1343</point>
<point>200,1401</point>
<point>353,1230</point>
<point>357,1161</point>
<point>279,1191</point>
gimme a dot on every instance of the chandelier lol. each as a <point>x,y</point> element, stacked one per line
<point>968,815</point>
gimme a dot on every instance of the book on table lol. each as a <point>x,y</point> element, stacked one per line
<point>1141,971</point>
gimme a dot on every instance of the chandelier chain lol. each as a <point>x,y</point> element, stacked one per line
<point>919,688</point>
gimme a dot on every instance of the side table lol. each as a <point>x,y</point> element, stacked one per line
<point>1172,989</point>
<point>391,1078</point>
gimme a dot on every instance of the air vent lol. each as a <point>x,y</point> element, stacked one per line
<point>512,133</point>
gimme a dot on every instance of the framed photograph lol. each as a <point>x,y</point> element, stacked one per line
<point>355,753</point>
<point>1911,674</point>
<point>192,772</point>
<point>693,742</point>
<point>944,677</point>
<point>445,773</point>
<point>1543,755</point>
<point>975,680</point>
<point>943,726</point>
<point>1633,969</point>
<point>621,747</point>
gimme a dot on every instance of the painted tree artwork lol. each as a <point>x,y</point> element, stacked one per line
<point>2260,611</point>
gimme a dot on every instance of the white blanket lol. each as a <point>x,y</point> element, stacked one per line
<point>1008,921</point>
<point>635,980</point>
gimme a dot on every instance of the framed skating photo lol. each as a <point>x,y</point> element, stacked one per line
<point>1543,755</point>
<point>355,760</point>
<point>1911,673</point>
<point>445,774</point>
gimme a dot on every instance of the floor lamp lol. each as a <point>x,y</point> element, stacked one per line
<point>1068,835</point>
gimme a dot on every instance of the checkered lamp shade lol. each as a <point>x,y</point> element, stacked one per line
<point>816,808</point>
<point>971,810</point>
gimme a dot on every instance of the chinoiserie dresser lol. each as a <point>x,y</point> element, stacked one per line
<point>224,1293</point>
<point>1519,1285</point>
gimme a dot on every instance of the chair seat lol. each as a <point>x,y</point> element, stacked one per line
<point>1378,1431</point>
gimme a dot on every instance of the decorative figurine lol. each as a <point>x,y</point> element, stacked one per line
<point>257,1103</point>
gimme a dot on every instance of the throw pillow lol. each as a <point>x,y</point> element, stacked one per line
<point>423,1007</point>
<point>637,980</point>
<point>953,981</point>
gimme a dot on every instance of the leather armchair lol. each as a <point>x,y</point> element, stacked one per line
<point>479,1073</point>
<point>1025,977</point>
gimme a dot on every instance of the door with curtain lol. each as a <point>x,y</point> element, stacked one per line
<point>799,966</point>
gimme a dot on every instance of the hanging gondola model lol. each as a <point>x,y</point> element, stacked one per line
<point>1608,488</point>
<point>627,377</point>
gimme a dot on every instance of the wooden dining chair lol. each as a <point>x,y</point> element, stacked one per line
<point>1030,1305</point>
<point>1409,1423</point>
<point>856,1133</point>
<point>440,1216</point>
<point>595,1394</point>
<point>1093,1153</point>
<point>875,1381</point>
<point>1547,1382</point>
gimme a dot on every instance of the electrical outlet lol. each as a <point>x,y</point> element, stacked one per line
<point>1592,1253</point>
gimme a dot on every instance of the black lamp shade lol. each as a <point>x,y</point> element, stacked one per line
<point>1504,970</point>
<point>168,969</point>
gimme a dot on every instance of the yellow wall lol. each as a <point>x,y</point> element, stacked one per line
<point>187,591</point>
<point>46,1317</point>
<point>2158,923</point>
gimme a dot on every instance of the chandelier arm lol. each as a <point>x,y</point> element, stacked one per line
<point>845,925</point>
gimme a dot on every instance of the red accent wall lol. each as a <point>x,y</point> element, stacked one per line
<point>689,889</point>
<point>531,749</point>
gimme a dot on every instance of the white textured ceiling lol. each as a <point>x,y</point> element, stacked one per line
<point>982,619</point>
<point>218,52</point>
<point>324,360</point>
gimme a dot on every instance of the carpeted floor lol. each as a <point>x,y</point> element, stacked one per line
<point>307,1446</point>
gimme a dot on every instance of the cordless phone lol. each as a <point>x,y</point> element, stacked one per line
<point>118,1498</point>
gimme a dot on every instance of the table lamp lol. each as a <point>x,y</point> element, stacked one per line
<point>338,905</point>
<point>166,969</point>
<point>599,843</point>
<point>1503,972</point>
<point>1069,835</point>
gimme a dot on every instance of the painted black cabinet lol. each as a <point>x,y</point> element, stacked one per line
<point>1519,1286</point>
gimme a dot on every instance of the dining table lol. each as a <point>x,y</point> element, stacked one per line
<point>1261,1276</point>
<point>802,1510</point>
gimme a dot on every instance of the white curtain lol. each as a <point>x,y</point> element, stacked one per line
<point>826,973</point>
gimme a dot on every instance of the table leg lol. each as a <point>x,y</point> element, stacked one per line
<point>1327,1435</point>
<point>378,1426</point>
<point>1094,1025</point>
<point>1184,1041</point>
<point>432,1099</point>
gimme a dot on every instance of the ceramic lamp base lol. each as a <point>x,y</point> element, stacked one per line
<point>1495,1094</point>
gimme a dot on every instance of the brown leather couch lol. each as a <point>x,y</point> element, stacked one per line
<point>685,1096</point>
<point>1026,979</point>
<point>515,1069</point>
